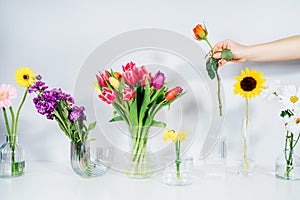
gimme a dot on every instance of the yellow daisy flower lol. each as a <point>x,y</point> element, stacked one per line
<point>249,84</point>
<point>24,77</point>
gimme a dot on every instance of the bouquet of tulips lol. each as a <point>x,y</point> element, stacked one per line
<point>136,97</point>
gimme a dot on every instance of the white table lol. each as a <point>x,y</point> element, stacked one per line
<point>56,180</point>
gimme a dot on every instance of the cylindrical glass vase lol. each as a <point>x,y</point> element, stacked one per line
<point>287,166</point>
<point>178,172</point>
<point>12,157</point>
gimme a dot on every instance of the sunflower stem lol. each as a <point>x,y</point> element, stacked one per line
<point>246,165</point>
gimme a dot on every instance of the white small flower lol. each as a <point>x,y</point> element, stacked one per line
<point>293,124</point>
<point>272,90</point>
<point>290,97</point>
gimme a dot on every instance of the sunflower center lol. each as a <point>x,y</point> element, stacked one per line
<point>248,84</point>
<point>294,99</point>
<point>2,95</point>
<point>26,77</point>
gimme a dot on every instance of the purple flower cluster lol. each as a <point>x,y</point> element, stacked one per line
<point>47,101</point>
<point>77,114</point>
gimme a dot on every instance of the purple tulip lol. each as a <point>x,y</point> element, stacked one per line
<point>158,80</point>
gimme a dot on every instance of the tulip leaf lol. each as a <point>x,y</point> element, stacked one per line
<point>115,119</point>
<point>226,54</point>
<point>158,124</point>
<point>133,113</point>
<point>145,103</point>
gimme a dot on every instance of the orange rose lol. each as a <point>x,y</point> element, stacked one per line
<point>200,32</point>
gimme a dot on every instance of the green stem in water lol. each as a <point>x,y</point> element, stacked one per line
<point>177,148</point>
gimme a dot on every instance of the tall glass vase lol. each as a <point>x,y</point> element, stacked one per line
<point>12,159</point>
<point>247,163</point>
<point>84,164</point>
<point>140,164</point>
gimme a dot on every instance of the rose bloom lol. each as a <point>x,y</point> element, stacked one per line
<point>200,32</point>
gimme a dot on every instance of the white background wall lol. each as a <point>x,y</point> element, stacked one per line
<point>55,37</point>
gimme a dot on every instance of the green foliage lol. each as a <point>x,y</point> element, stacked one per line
<point>226,54</point>
<point>211,67</point>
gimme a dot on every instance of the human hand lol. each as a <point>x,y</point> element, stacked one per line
<point>236,49</point>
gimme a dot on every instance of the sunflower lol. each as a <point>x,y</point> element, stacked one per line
<point>249,84</point>
<point>24,77</point>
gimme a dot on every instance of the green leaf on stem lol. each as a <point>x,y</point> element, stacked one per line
<point>91,126</point>
<point>211,67</point>
<point>226,54</point>
<point>117,118</point>
<point>158,124</point>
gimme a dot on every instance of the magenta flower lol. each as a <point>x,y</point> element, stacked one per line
<point>158,80</point>
<point>7,92</point>
<point>108,95</point>
<point>130,77</point>
<point>127,93</point>
<point>128,66</point>
<point>103,78</point>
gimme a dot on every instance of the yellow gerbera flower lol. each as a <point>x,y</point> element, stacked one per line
<point>249,84</point>
<point>24,77</point>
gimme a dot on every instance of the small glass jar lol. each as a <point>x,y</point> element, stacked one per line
<point>178,172</point>
<point>287,166</point>
<point>12,157</point>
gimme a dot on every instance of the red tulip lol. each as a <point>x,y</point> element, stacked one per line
<point>141,72</point>
<point>127,93</point>
<point>145,77</point>
<point>173,93</point>
<point>108,95</point>
<point>128,66</point>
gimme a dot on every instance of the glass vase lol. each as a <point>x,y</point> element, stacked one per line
<point>85,165</point>
<point>140,164</point>
<point>178,172</point>
<point>287,166</point>
<point>247,163</point>
<point>12,159</point>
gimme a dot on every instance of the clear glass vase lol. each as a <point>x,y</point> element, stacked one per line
<point>178,172</point>
<point>12,157</point>
<point>140,163</point>
<point>287,166</point>
<point>85,165</point>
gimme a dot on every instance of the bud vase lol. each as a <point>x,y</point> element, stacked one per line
<point>178,172</point>
<point>247,163</point>
<point>287,166</point>
<point>12,159</point>
<point>85,165</point>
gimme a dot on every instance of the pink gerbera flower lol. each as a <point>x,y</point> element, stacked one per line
<point>7,92</point>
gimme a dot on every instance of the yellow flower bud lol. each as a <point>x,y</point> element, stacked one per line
<point>114,82</point>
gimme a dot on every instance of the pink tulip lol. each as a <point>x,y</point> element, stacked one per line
<point>108,95</point>
<point>141,72</point>
<point>127,94</point>
<point>145,77</point>
<point>130,77</point>
<point>7,92</point>
<point>128,66</point>
<point>103,78</point>
<point>158,80</point>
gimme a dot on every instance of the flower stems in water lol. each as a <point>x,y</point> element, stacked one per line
<point>178,162</point>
